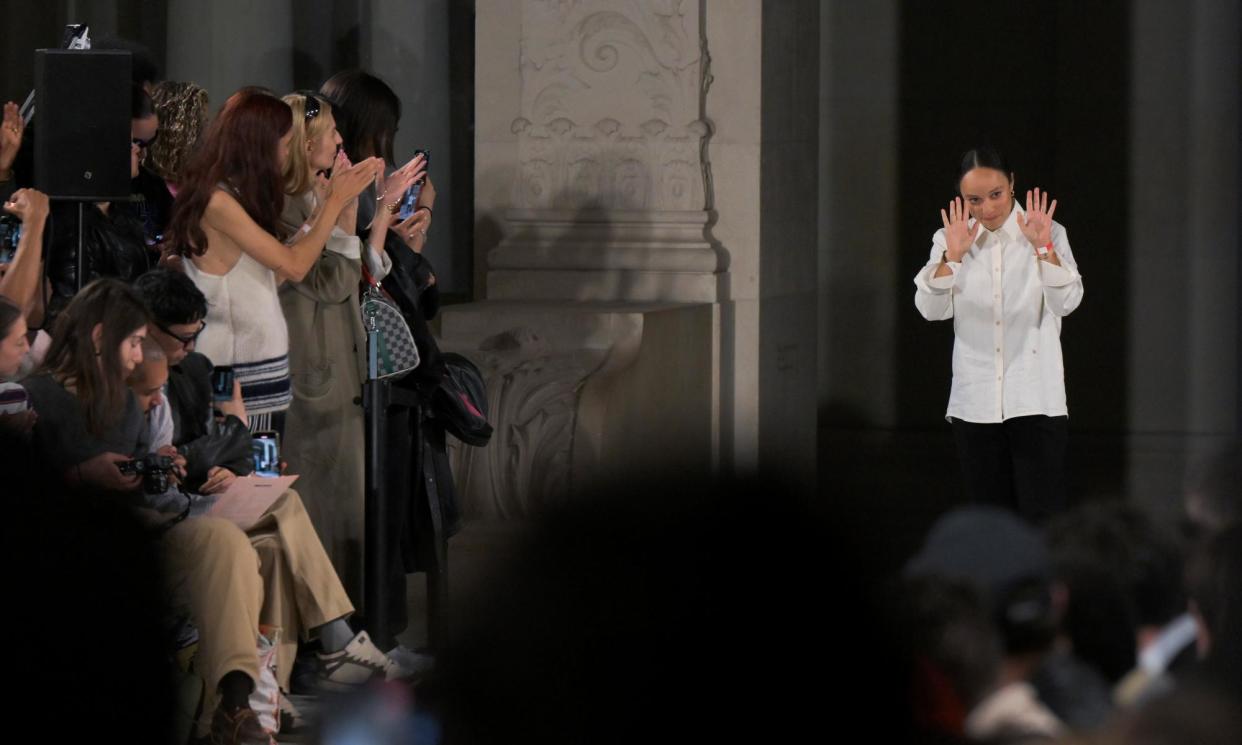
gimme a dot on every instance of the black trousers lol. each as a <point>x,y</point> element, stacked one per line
<point>1018,464</point>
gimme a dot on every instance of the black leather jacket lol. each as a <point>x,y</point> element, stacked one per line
<point>113,243</point>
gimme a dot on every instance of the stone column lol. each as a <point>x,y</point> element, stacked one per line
<point>599,334</point>
<point>646,192</point>
<point>1183,289</point>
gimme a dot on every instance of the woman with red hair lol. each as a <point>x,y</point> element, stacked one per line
<point>226,222</point>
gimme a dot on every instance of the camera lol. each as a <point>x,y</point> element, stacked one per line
<point>10,235</point>
<point>153,469</point>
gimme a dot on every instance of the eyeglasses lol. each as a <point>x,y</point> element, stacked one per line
<point>186,341</point>
<point>144,144</point>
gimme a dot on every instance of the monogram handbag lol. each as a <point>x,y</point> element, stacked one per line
<point>391,352</point>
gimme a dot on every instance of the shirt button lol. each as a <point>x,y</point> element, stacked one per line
<point>998,350</point>
<point>998,323</point>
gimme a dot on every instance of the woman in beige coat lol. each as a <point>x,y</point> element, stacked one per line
<point>325,430</point>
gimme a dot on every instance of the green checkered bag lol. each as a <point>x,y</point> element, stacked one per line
<point>391,352</point>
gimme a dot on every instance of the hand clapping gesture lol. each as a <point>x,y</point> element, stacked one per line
<point>1036,224</point>
<point>957,233</point>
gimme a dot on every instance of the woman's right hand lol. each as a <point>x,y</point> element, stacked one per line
<point>348,181</point>
<point>957,234</point>
<point>399,180</point>
<point>102,472</point>
<point>28,205</point>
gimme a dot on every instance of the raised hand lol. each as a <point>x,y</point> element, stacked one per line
<point>957,234</point>
<point>11,129</point>
<point>1036,225</point>
<point>29,205</point>
<point>348,181</point>
<point>401,179</point>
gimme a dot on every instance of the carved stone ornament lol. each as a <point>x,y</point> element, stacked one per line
<point>533,399</point>
<point>611,106</point>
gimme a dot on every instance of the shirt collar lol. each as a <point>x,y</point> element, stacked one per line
<point>1009,228</point>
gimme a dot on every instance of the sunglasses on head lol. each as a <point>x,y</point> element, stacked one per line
<point>312,104</point>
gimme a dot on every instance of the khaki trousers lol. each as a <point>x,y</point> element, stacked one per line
<point>276,573</point>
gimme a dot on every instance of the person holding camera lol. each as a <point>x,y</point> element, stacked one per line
<point>301,592</point>
<point>226,223</point>
<point>1007,277</point>
<point>325,428</point>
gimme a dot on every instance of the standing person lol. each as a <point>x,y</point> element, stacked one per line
<point>417,480</point>
<point>1006,276</point>
<point>227,223</point>
<point>325,424</point>
<point>113,242</point>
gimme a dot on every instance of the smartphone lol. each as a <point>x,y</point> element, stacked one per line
<point>222,383</point>
<point>266,449</point>
<point>10,236</point>
<point>409,200</point>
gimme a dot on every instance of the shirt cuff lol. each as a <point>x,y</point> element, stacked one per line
<point>945,282</point>
<point>378,263</point>
<point>1055,276</point>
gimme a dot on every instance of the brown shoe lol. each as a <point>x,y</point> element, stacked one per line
<point>239,727</point>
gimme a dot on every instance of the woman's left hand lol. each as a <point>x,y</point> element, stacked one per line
<point>1036,225</point>
<point>413,230</point>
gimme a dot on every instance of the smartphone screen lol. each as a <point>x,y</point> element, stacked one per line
<point>409,200</point>
<point>266,449</point>
<point>222,383</point>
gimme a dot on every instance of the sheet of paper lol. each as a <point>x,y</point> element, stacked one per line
<point>248,497</point>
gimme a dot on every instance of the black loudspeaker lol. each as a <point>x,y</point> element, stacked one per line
<point>82,126</point>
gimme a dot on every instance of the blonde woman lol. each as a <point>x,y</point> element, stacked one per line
<point>325,429</point>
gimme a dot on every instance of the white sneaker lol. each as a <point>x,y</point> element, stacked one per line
<point>417,663</point>
<point>358,663</point>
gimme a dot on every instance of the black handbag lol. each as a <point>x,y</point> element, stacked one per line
<point>460,401</point>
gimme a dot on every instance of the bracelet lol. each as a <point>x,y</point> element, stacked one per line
<point>393,207</point>
<point>425,207</point>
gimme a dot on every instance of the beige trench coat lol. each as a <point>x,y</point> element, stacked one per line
<point>325,428</point>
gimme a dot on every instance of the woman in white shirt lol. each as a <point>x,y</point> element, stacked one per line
<point>1006,277</point>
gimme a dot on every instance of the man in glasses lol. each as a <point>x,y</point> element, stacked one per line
<point>177,311</point>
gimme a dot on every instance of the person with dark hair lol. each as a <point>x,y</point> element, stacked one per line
<point>418,478</point>
<point>1213,498</point>
<point>16,416</point>
<point>113,238</point>
<point>1006,276</point>
<point>1214,583</point>
<point>227,224</point>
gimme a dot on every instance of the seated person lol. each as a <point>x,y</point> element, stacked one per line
<point>301,592</point>
<point>90,423</point>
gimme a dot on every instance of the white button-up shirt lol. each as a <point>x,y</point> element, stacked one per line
<point>1006,307</point>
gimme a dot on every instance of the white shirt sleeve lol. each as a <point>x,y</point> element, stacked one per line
<point>1062,284</point>
<point>933,296</point>
<point>160,424</point>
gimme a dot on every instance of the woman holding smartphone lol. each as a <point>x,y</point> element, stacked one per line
<point>226,221</point>
<point>1006,277</point>
<point>325,427</point>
